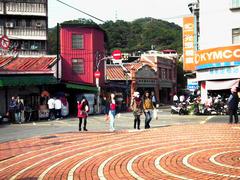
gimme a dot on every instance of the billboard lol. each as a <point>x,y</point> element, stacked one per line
<point>217,57</point>
<point>188,43</point>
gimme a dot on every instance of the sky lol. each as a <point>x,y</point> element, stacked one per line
<point>128,10</point>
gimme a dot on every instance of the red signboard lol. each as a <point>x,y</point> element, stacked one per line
<point>117,54</point>
<point>97,74</point>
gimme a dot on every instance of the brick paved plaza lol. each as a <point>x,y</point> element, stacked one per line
<point>208,151</point>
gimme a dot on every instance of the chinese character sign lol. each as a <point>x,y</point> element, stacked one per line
<point>188,43</point>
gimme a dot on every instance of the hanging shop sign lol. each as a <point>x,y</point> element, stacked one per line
<point>218,73</point>
<point>192,84</point>
<point>188,43</point>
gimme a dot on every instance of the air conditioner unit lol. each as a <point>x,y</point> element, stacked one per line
<point>9,24</point>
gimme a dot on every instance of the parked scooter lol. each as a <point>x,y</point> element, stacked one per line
<point>179,108</point>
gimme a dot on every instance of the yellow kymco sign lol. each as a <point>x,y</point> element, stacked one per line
<point>217,57</point>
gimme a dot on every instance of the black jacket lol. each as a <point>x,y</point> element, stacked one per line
<point>233,101</point>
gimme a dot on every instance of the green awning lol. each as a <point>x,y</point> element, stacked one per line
<point>82,87</point>
<point>27,80</point>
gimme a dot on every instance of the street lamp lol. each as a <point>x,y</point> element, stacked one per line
<point>97,75</point>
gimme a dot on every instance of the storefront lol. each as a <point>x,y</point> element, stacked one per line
<point>29,88</point>
<point>217,69</point>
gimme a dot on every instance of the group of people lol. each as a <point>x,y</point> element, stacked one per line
<point>139,106</point>
<point>110,111</point>
<point>56,107</point>
<point>145,105</point>
<point>15,110</point>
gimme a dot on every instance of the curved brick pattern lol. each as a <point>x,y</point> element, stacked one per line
<point>230,159</point>
<point>209,151</point>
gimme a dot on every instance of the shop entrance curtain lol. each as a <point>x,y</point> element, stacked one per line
<point>219,85</point>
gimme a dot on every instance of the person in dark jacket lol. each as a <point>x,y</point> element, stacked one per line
<point>137,108</point>
<point>83,109</point>
<point>18,110</point>
<point>233,105</point>
<point>11,109</point>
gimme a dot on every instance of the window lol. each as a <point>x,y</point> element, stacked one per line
<point>163,73</point>
<point>78,66</point>
<point>235,4</point>
<point>236,36</point>
<point>77,41</point>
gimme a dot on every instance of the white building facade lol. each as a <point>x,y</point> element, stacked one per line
<point>219,23</point>
<point>217,58</point>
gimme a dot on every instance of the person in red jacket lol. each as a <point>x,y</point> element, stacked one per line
<point>83,109</point>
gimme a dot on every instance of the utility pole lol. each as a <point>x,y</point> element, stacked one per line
<point>58,50</point>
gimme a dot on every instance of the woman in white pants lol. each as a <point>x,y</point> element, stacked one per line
<point>111,112</point>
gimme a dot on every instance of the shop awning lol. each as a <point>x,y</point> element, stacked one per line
<point>220,85</point>
<point>28,80</point>
<point>81,87</point>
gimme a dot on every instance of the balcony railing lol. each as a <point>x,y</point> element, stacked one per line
<point>27,33</point>
<point>23,53</point>
<point>31,53</point>
<point>28,1</point>
<point>26,9</point>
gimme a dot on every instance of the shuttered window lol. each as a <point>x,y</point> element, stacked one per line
<point>78,66</point>
<point>77,41</point>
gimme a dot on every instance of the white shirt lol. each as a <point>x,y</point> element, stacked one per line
<point>51,103</point>
<point>175,98</point>
<point>182,98</point>
<point>58,104</point>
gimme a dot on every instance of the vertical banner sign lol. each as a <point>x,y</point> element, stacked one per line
<point>188,43</point>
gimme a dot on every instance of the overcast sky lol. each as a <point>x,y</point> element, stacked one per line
<point>128,10</point>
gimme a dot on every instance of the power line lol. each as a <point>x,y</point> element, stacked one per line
<point>81,11</point>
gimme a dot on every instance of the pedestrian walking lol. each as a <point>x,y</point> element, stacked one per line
<point>11,109</point>
<point>154,99</point>
<point>233,105</point>
<point>137,108</point>
<point>148,109</point>
<point>51,107</point>
<point>18,110</point>
<point>111,112</point>
<point>58,108</point>
<point>104,104</point>
<point>83,109</point>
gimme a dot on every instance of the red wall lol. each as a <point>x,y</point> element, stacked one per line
<point>93,42</point>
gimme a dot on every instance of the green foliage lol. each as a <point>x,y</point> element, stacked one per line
<point>52,40</point>
<point>141,34</point>
<point>80,21</point>
<point>138,35</point>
